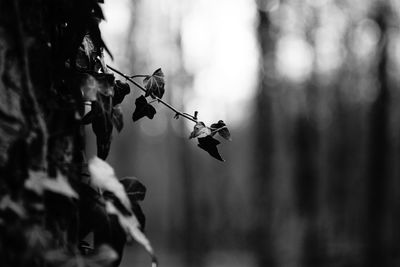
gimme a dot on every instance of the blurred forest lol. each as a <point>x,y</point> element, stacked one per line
<point>310,92</point>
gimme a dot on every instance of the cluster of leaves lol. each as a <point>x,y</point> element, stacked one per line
<point>56,208</point>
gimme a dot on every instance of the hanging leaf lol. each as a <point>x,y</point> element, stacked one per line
<point>88,118</point>
<point>38,182</point>
<point>120,91</point>
<point>143,109</point>
<point>221,129</point>
<point>209,144</point>
<point>154,84</point>
<point>132,227</point>
<point>102,126</point>
<point>117,118</point>
<point>200,130</point>
<point>103,176</point>
<point>136,190</point>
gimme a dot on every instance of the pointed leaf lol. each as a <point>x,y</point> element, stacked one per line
<point>60,185</point>
<point>88,118</point>
<point>120,91</point>
<point>38,182</point>
<point>209,144</point>
<point>221,129</point>
<point>103,176</point>
<point>143,109</point>
<point>200,130</point>
<point>117,118</point>
<point>154,84</point>
<point>132,227</point>
<point>136,190</point>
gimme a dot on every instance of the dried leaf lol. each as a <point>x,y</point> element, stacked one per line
<point>154,84</point>
<point>117,118</point>
<point>103,176</point>
<point>221,129</point>
<point>38,182</point>
<point>143,109</point>
<point>209,144</point>
<point>200,130</point>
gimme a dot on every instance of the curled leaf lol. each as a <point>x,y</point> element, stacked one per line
<point>103,176</point>
<point>120,91</point>
<point>200,130</point>
<point>209,144</point>
<point>221,129</point>
<point>154,84</point>
<point>143,109</point>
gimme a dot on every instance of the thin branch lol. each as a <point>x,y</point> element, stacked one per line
<point>157,98</point>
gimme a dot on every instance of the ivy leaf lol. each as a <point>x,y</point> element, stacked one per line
<point>38,182</point>
<point>209,144</point>
<point>200,130</point>
<point>7,203</point>
<point>120,91</point>
<point>94,83</point>
<point>154,84</point>
<point>143,109</point>
<point>102,126</point>
<point>136,190</point>
<point>117,118</point>
<point>132,227</point>
<point>103,176</point>
<point>222,130</point>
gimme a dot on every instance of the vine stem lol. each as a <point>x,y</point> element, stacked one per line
<point>156,98</point>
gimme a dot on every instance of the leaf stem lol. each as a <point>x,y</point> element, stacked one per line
<point>139,75</point>
<point>218,129</point>
<point>158,99</point>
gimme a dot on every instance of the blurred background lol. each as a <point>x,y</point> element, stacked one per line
<point>310,92</point>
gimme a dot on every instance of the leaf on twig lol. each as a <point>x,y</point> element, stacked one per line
<point>209,144</point>
<point>120,91</point>
<point>38,182</point>
<point>154,84</point>
<point>221,129</point>
<point>200,130</point>
<point>136,190</point>
<point>143,109</point>
<point>103,176</point>
<point>132,227</point>
<point>117,118</point>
